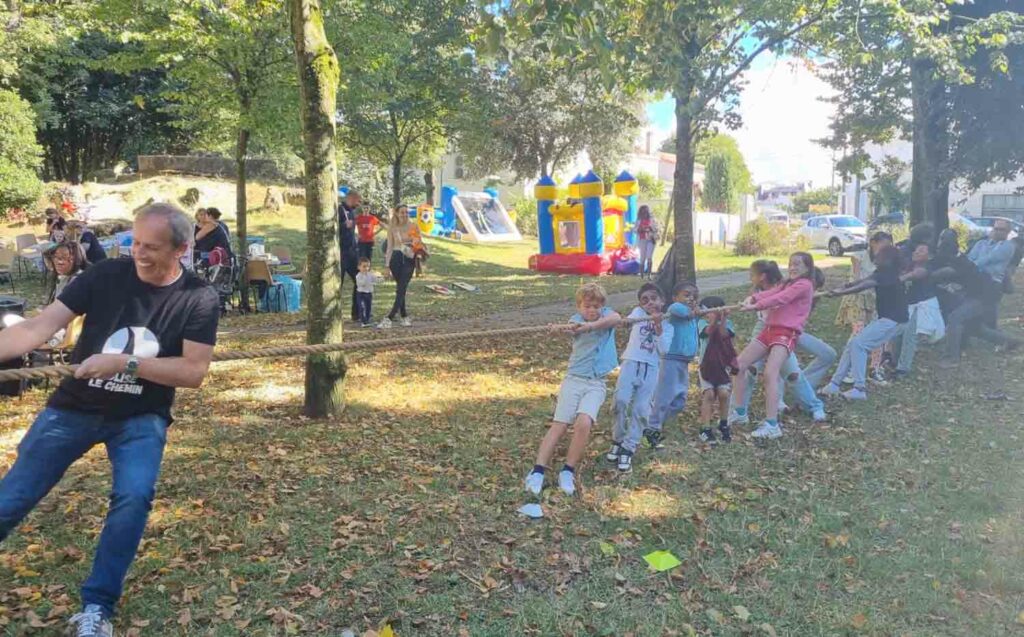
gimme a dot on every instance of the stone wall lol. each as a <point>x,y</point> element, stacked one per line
<point>207,166</point>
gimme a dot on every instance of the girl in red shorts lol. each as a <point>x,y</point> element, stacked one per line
<point>787,307</point>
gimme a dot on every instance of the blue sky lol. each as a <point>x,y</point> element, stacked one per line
<point>782,115</point>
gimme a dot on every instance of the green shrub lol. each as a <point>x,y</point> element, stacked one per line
<point>760,238</point>
<point>524,213</point>
<point>650,186</point>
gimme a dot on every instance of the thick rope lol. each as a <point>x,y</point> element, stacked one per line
<point>61,371</point>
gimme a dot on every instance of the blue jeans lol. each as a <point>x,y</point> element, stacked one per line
<point>855,356</point>
<point>670,395</point>
<point>57,438</point>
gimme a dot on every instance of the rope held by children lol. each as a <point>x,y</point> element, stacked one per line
<point>62,371</point>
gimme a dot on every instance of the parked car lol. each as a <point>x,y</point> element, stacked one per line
<point>1016,227</point>
<point>891,219</point>
<point>781,218</point>
<point>836,233</point>
<point>975,231</point>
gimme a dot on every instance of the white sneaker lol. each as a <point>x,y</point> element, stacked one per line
<point>406,322</point>
<point>567,482</point>
<point>613,453</point>
<point>767,431</point>
<point>535,482</point>
<point>855,394</point>
<point>384,325</point>
<point>90,623</point>
<point>819,415</point>
<point>737,419</point>
<point>829,391</point>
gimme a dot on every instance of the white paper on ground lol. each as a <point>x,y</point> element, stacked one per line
<point>532,510</point>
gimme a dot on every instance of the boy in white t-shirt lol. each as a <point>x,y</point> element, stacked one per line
<point>638,376</point>
<point>365,280</point>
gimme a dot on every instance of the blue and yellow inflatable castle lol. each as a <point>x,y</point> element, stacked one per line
<point>590,232</point>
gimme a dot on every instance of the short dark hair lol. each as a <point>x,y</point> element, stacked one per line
<point>819,278</point>
<point>363,260</point>
<point>768,268</point>
<point>711,302</point>
<point>881,235</point>
<point>213,212</point>
<point>685,285</point>
<point>648,287</point>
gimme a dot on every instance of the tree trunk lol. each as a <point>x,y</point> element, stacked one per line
<point>396,182</point>
<point>428,182</point>
<point>929,189</point>
<point>680,262</point>
<point>241,231</point>
<point>318,89</point>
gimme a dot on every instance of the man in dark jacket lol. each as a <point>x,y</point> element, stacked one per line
<point>347,242</point>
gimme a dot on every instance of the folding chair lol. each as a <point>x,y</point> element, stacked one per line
<point>27,253</point>
<point>261,283</point>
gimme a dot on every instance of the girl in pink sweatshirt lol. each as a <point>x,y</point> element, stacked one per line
<point>787,307</point>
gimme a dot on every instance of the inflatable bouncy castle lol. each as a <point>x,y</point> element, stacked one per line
<point>590,232</point>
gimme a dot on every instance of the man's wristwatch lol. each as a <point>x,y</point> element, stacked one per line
<point>131,368</point>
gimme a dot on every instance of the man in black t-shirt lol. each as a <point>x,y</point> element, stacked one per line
<point>347,212</point>
<point>150,326</point>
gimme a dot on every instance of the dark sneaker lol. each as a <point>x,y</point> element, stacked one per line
<point>707,436</point>
<point>726,431</point>
<point>613,453</point>
<point>625,464</point>
<point>654,438</point>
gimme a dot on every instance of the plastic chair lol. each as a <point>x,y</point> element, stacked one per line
<point>261,282</point>
<point>6,267</point>
<point>27,253</point>
<point>284,256</point>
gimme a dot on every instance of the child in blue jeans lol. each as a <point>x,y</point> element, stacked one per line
<point>674,375</point>
<point>583,390</point>
<point>638,378</point>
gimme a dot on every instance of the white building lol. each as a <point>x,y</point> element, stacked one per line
<point>1001,199</point>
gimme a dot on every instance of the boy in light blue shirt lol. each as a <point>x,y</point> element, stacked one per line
<point>674,375</point>
<point>583,390</point>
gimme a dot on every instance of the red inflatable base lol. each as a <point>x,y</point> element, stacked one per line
<point>593,264</point>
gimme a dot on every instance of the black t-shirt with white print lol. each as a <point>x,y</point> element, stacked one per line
<point>124,315</point>
<point>890,295</point>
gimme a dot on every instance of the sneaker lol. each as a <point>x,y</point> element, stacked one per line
<point>625,462</point>
<point>406,322</point>
<point>848,380</point>
<point>367,325</point>
<point>737,419</point>
<point>829,391</point>
<point>707,436</point>
<point>654,438</point>
<point>90,623</point>
<point>767,431</point>
<point>535,482</point>
<point>384,325</point>
<point>567,482</point>
<point>726,431</point>
<point>878,377</point>
<point>855,394</point>
<point>819,415</point>
<point>613,453</point>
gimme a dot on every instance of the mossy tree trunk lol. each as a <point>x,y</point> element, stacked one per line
<point>318,89</point>
<point>241,210</point>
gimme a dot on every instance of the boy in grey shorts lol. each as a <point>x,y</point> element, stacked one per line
<point>583,389</point>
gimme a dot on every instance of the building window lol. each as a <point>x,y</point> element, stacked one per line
<point>1003,206</point>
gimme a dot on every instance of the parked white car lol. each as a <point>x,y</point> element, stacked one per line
<point>835,233</point>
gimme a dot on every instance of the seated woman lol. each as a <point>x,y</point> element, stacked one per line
<point>210,235</point>
<point>66,260</point>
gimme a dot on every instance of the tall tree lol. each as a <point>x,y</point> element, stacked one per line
<point>719,184</point>
<point>19,153</point>
<point>233,57</point>
<point>694,50</point>
<point>319,74</point>
<point>411,56</point>
<point>532,113</point>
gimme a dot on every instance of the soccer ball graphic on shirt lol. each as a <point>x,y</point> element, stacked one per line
<point>137,341</point>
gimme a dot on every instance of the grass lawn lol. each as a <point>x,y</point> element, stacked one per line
<point>500,270</point>
<point>902,516</point>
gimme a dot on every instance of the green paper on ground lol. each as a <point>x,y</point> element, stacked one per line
<point>662,560</point>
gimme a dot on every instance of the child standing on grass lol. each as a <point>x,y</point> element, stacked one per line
<point>638,377</point>
<point>892,315</point>
<point>788,307</point>
<point>583,390</point>
<point>717,357</point>
<point>674,375</point>
<point>365,280</point>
